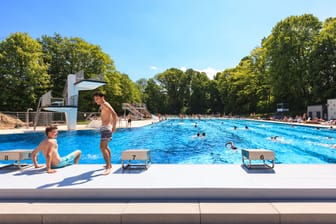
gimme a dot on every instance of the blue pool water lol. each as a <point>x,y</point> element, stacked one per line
<point>175,141</point>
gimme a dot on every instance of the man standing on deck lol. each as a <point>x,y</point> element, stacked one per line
<point>109,125</point>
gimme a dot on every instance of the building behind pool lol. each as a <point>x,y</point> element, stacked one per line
<point>326,112</point>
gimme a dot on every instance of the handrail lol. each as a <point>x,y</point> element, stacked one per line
<point>132,109</point>
<point>38,110</point>
<point>136,109</point>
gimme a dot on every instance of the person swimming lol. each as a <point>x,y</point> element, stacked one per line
<point>232,146</point>
<point>273,138</point>
<point>197,135</point>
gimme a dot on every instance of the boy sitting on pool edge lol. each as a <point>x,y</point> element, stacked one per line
<point>49,149</point>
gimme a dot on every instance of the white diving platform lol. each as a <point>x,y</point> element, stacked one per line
<point>87,84</point>
<point>75,83</point>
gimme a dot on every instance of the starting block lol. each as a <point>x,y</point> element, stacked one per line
<point>16,155</point>
<point>258,154</point>
<point>136,154</point>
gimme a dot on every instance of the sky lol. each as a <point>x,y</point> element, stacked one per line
<point>146,37</point>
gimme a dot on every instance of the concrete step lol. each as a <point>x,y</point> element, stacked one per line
<point>168,212</point>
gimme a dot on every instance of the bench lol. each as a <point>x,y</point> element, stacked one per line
<point>16,155</point>
<point>136,155</point>
<point>258,154</point>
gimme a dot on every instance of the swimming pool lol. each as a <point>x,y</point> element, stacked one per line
<point>174,141</point>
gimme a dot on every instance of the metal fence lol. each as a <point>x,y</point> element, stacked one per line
<point>44,118</point>
<point>57,118</point>
<point>48,118</point>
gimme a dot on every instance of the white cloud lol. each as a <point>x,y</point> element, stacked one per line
<point>211,72</point>
<point>183,68</point>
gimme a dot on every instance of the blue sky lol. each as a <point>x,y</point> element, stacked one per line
<point>146,37</point>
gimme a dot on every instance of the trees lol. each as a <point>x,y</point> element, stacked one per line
<point>69,55</point>
<point>323,63</point>
<point>296,64</point>
<point>289,49</point>
<point>121,89</point>
<point>186,92</point>
<point>172,81</point>
<point>244,89</point>
<point>155,97</point>
<point>54,56</point>
<point>23,72</point>
<point>199,92</point>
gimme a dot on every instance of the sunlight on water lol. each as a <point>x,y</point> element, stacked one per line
<point>176,141</point>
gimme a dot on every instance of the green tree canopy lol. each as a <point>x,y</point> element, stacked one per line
<point>23,72</point>
<point>199,92</point>
<point>155,97</point>
<point>296,64</point>
<point>172,81</point>
<point>289,49</point>
<point>69,55</point>
<point>323,63</point>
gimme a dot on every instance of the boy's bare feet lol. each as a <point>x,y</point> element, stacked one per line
<point>107,171</point>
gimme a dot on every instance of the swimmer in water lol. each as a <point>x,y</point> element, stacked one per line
<point>232,146</point>
<point>274,138</point>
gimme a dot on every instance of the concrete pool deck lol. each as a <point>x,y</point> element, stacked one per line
<point>171,182</point>
<point>121,124</point>
<point>170,194</point>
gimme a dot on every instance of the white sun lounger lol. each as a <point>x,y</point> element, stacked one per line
<point>136,154</point>
<point>258,154</point>
<point>16,155</point>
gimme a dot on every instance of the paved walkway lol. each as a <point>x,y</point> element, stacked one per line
<point>121,124</point>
